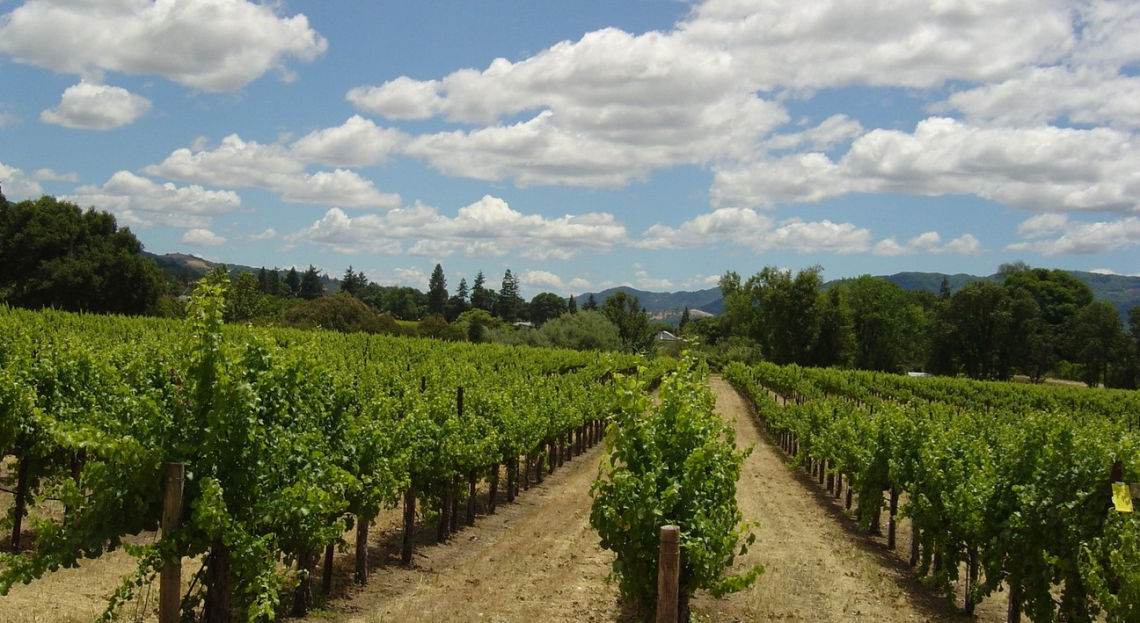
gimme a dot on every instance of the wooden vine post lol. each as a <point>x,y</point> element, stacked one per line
<point>669,575</point>
<point>170,581</point>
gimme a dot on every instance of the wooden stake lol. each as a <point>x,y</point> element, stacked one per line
<point>668,575</point>
<point>170,582</point>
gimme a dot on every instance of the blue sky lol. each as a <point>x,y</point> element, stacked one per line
<point>654,143</point>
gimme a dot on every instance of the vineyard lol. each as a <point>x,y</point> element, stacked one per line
<point>1008,488</point>
<point>282,441</point>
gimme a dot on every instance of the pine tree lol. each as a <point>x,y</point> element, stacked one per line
<point>437,293</point>
<point>311,286</point>
<point>572,305</point>
<point>293,282</point>
<point>591,304</point>
<point>353,282</point>
<point>482,297</point>
<point>510,304</point>
<point>684,318</point>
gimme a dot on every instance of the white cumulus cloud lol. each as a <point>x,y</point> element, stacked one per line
<point>488,227</point>
<point>202,238</point>
<point>213,45</point>
<point>87,106</point>
<point>141,202</point>
<point>273,167</point>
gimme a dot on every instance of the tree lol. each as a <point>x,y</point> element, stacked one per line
<point>572,305</point>
<point>777,310</point>
<point>546,306</point>
<point>834,345</point>
<point>481,297</point>
<point>587,330</point>
<point>437,293</point>
<point>353,282</point>
<point>341,312</point>
<point>624,310</point>
<point>591,303</point>
<point>53,254</point>
<point>1098,339</point>
<point>311,286</point>
<point>243,299</point>
<point>458,303</point>
<point>978,322</point>
<point>510,306</point>
<point>293,282</point>
<point>684,319</point>
<point>3,200</point>
<point>882,321</point>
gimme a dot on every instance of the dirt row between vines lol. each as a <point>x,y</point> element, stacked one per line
<point>538,560</point>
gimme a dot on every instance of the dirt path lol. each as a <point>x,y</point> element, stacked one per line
<point>534,560</point>
<point>817,568</point>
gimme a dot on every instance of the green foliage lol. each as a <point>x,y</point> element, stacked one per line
<point>52,254</point>
<point>341,312</point>
<point>437,293</point>
<point>587,330</point>
<point>546,306</point>
<point>626,313</point>
<point>674,463</point>
<point>311,286</point>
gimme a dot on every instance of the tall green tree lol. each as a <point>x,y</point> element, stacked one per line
<point>353,282</point>
<point>1098,341</point>
<point>293,282</point>
<point>53,254</point>
<point>883,323</point>
<point>979,321</point>
<point>481,296</point>
<point>777,310</point>
<point>437,292</point>
<point>572,305</point>
<point>591,303</point>
<point>510,305</point>
<point>459,302</point>
<point>546,306</point>
<point>625,311</point>
<point>311,286</point>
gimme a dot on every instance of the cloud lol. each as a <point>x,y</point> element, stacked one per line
<point>273,167</point>
<point>1044,95</point>
<point>87,106</point>
<point>827,43</point>
<point>202,238</point>
<point>747,228</point>
<point>929,242</point>
<point>213,45</point>
<point>7,119</point>
<point>1043,168</point>
<point>356,143</point>
<point>140,202</point>
<point>1079,238</point>
<point>488,227</point>
<point>542,279</point>
<point>49,175</point>
<point>268,234</point>
<point>599,112</point>
<point>646,282</point>
<point>18,185</point>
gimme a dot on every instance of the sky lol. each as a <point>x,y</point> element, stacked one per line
<point>587,144</point>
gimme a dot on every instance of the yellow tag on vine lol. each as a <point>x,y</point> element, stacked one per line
<point>1122,497</point>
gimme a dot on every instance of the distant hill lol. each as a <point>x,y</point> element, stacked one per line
<point>1120,290</point>
<point>666,306</point>
<point>190,268</point>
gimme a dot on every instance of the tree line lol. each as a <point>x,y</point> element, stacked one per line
<point>1027,321</point>
<point>53,254</point>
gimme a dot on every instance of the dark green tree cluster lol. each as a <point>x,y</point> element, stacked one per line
<point>1029,321</point>
<point>54,254</point>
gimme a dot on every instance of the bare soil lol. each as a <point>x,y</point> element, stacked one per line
<point>538,560</point>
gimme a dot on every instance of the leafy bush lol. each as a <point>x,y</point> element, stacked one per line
<point>671,463</point>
